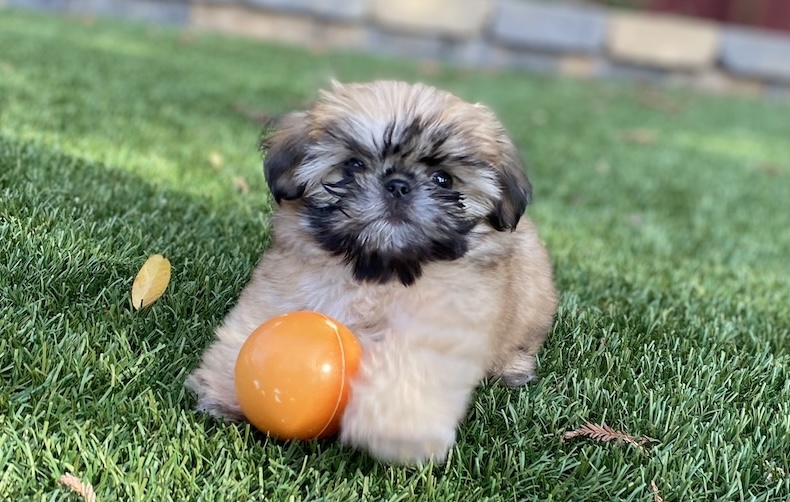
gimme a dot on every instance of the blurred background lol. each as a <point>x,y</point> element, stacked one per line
<point>721,46</point>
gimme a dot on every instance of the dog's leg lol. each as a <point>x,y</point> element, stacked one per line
<point>408,399</point>
<point>520,370</point>
<point>213,380</point>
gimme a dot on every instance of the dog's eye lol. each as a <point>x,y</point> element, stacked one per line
<point>442,179</point>
<point>354,164</point>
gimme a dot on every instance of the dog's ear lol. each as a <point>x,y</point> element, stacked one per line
<point>285,150</point>
<point>516,193</point>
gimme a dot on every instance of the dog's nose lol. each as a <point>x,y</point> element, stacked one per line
<point>397,187</point>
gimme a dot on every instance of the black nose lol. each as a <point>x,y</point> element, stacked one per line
<point>397,187</point>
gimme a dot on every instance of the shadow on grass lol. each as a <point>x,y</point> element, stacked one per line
<point>75,235</point>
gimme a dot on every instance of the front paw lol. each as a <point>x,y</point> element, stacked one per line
<point>397,438</point>
<point>215,396</point>
<point>407,402</point>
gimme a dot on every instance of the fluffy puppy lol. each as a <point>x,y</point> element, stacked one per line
<point>399,214</point>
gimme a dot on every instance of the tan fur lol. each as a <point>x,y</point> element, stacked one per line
<point>426,346</point>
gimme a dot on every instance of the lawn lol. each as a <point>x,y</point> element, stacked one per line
<point>666,214</point>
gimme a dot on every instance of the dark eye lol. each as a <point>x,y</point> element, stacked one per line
<point>442,179</point>
<point>354,164</point>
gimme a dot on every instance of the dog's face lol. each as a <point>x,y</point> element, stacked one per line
<point>392,176</point>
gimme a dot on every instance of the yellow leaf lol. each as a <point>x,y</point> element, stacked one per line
<point>216,160</point>
<point>151,281</point>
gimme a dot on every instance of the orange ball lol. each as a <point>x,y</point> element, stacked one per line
<point>293,375</point>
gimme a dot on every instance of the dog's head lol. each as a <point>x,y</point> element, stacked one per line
<point>392,175</point>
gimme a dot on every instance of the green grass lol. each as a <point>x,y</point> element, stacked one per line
<point>672,256</point>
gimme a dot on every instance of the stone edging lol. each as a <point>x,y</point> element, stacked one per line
<point>554,37</point>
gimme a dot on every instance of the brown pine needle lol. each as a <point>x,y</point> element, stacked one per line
<point>656,496</point>
<point>75,484</point>
<point>605,433</point>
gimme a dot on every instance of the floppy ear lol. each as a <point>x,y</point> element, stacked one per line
<point>516,194</point>
<point>285,150</point>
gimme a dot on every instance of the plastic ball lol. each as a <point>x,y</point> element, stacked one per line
<point>293,374</point>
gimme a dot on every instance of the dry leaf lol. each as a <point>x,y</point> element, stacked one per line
<point>640,136</point>
<point>770,169</point>
<point>773,472</point>
<point>603,167</point>
<point>658,100</point>
<point>317,49</point>
<point>75,484</point>
<point>635,219</point>
<point>187,37</point>
<point>151,281</point>
<point>241,185</point>
<point>656,496</point>
<point>216,160</point>
<point>260,117</point>
<point>605,433</point>
<point>429,68</point>
<point>87,19</point>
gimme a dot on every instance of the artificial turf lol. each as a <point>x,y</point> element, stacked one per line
<point>666,214</point>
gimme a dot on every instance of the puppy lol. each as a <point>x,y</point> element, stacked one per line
<point>399,214</point>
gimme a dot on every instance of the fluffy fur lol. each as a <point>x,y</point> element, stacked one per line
<point>399,214</point>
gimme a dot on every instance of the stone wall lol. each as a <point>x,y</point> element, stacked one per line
<point>580,40</point>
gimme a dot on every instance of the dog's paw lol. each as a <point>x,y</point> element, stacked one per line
<point>407,401</point>
<point>214,397</point>
<point>410,451</point>
<point>400,441</point>
<point>520,370</point>
<point>407,423</point>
